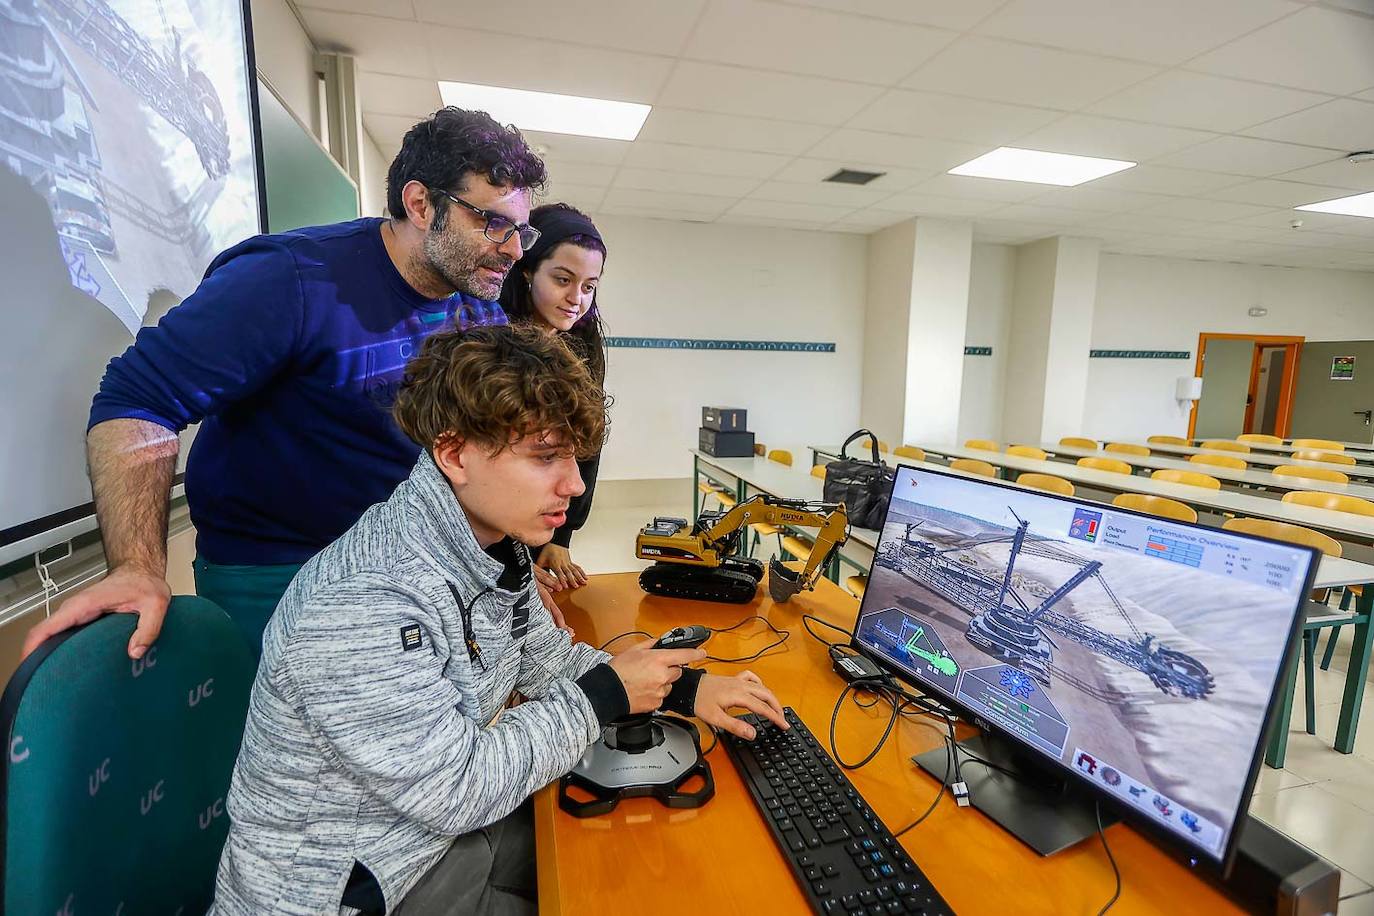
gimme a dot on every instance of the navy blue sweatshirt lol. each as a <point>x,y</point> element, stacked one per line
<point>289,355</point>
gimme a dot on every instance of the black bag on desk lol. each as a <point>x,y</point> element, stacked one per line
<point>863,486</point>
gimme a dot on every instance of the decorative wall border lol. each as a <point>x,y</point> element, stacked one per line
<point>696,343</point>
<point>1139,354</point>
<point>977,351</point>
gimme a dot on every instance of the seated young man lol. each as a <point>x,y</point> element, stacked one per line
<point>380,771</point>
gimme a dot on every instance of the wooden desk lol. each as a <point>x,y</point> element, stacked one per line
<point>1361,451</point>
<point>1252,477</point>
<point>1360,470</point>
<point>721,859</point>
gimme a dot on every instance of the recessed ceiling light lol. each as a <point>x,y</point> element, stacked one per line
<point>548,111</point>
<point>1011,164</point>
<point>1358,205</point>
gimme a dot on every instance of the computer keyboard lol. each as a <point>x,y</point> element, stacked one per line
<point>847,862</point>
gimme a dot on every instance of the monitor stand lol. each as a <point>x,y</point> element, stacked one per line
<point>1043,811</point>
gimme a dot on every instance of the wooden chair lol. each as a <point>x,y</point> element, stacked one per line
<point>1047,482</point>
<point>781,456</point>
<point>1329,444</point>
<point>883,446</point>
<point>1078,442</point>
<point>1306,454</point>
<point>909,451</point>
<point>1027,451</point>
<point>1224,445</point>
<point>1220,461</point>
<point>983,445</point>
<point>973,466</point>
<point>1167,440</point>
<point>796,546</point>
<point>818,470</point>
<point>1260,438</point>
<point>1191,478</point>
<point>1311,473</point>
<point>1338,502</point>
<point>1316,617</point>
<point>856,586</point>
<point>1114,465</point>
<point>1125,448</point>
<point>760,449</point>
<point>1160,506</point>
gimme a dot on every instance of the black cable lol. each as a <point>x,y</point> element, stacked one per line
<point>619,636</point>
<point>1102,835</point>
<point>851,687</point>
<point>806,623</point>
<point>950,754</point>
<point>783,636</point>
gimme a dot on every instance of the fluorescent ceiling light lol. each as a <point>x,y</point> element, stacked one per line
<point>1358,205</point>
<point>548,111</point>
<point>1011,164</point>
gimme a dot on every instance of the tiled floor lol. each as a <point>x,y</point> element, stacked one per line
<point>1323,799</point>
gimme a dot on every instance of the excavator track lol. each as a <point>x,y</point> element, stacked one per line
<point>732,583</point>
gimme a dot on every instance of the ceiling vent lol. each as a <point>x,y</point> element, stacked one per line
<point>854,176</point>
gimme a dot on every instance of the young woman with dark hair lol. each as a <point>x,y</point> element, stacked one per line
<point>554,287</point>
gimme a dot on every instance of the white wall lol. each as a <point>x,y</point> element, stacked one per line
<point>886,325</point>
<point>285,55</point>
<point>372,189</point>
<point>989,325</point>
<point>678,279</point>
<point>1148,303</point>
<point>935,338</point>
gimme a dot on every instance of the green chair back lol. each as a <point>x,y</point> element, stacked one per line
<point>113,786</point>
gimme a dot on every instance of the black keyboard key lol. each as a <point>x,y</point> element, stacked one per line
<point>836,845</point>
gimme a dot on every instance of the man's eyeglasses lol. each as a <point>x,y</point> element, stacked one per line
<point>498,228</point>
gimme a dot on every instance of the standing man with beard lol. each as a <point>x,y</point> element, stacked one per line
<point>289,355</point>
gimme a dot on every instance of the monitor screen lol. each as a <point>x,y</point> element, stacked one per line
<point>1140,654</point>
<point>128,160</point>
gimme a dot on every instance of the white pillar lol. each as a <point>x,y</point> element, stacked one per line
<point>1051,333</point>
<point>915,318</point>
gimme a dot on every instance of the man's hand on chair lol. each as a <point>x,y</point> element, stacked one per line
<point>126,590</point>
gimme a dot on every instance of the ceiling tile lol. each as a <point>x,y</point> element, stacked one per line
<point>925,114</point>
<point>1035,213</point>
<point>1320,49</point>
<point>1244,156</point>
<point>740,91</point>
<point>870,220</point>
<point>894,149</point>
<point>773,209</point>
<point>684,182</point>
<point>1017,233</point>
<point>959,15</point>
<point>1161,31</point>
<point>815,42</point>
<point>1212,211</point>
<point>1160,179</point>
<point>818,192</point>
<point>1145,223</point>
<point>677,125</point>
<point>664,200</point>
<point>649,26</point>
<point>914,203</point>
<point>584,197</point>
<point>1277,193</point>
<point>580,173</point>
<point>979,188</point>
<point>379,43</point>
<point>1088,135</point>
<point>891,178</point>
<point>1204,101</point>
<point>737,219</point>
<point>1343,124</point>
<point>1312,222</point>
<point>1094,197</point>
<point>664,213</point>
<point>393,9</point>
<point>567,148</point>
<point>676,157</point>
<point>545,66</point>
<point>1004,71</point>
<point>414,96</point>
<point>387,130</point>
<point>1355,176</point>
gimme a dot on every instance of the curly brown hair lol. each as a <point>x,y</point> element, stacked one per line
<point>495,385</point>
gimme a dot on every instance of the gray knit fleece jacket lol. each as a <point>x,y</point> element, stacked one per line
<point>370,732</point>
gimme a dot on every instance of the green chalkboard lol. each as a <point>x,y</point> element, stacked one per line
<point>305,186</point>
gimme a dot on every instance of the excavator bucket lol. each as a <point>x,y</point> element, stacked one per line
<point>783,581</point>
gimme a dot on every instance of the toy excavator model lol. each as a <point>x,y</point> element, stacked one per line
<point>701,563</point>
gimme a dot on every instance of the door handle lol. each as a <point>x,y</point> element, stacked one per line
<point>1367,414</point>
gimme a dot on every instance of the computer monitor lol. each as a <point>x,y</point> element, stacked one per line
<point>1137,655</point>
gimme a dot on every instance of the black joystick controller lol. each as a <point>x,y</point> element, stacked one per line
<point>636,734</point>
